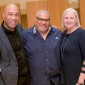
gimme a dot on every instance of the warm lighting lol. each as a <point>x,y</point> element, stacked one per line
<point>71,1</point>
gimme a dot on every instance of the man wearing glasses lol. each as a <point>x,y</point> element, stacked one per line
<point>42,46</point>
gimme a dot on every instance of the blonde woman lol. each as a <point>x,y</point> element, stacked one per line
<point>73,49</point>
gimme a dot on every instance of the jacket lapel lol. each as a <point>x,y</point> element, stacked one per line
<point>7,43</point>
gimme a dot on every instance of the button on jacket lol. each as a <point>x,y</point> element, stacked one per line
<point>43,55</point>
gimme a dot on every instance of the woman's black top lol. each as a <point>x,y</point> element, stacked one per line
<point>72,55</point>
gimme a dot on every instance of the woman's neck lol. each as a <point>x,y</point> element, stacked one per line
<point>70,30</point>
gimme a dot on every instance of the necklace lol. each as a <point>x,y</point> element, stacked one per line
<point>64,42</point>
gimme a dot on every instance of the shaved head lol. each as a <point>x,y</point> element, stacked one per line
<point>11,7</point>
<point>11,16</point>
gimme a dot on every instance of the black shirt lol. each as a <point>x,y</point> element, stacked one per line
<point>73,55</point>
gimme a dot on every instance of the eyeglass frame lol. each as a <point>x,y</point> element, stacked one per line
<point>41,19</point>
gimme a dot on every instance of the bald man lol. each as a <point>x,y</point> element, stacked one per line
<point>13,65</point>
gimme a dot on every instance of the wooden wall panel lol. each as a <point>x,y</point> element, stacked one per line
<point>0,16</point>
<point>2,9</point>
<point>32,8</point>
<point>1,12</point>
<point>24,21</point>
<point>56,8</point>
<point>82,12</point>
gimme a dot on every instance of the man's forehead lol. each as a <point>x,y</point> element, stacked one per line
<point>43,15</point>
<point>11,7</point>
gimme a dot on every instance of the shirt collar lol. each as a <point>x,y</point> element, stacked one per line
<point>6,30</point>
<point>35,31</point>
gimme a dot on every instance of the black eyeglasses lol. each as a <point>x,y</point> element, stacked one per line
<point>41,19</point>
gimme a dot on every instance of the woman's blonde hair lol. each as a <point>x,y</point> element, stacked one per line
<point>76,14</point>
